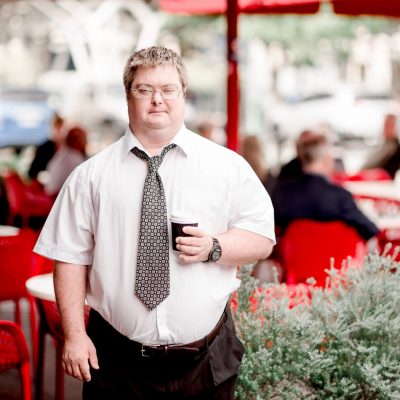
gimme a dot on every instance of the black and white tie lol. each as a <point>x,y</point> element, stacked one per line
<point>152,272</point>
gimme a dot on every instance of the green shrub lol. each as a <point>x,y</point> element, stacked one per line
<point>339,342</point>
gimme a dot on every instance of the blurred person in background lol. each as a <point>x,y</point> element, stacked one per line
<point>252,151</point>
<point>71,153</point>
<point>293,169</point>
<point>313,196</point>
<point>387,156</point>
<point>45,151</point>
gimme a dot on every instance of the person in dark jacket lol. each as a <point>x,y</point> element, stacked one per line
<point>46,150</point>
<point>312,196</point>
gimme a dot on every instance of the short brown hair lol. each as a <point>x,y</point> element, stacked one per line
<point>311,148</point>
<point>153,57</point>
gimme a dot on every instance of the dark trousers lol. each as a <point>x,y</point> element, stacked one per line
<point>125,374</point>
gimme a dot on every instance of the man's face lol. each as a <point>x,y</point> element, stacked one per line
<point>156,113</point>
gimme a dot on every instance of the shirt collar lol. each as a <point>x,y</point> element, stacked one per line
<point>181,139</point>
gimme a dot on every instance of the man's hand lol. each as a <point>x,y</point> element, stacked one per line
<point>79,353</point>
<point>196,247</point>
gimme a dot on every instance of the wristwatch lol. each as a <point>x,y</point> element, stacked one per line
<point>215,252</point>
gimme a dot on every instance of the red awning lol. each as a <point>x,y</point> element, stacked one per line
<point>209,7</point>
<point>190,7</point>
<point>387,8</point>
<point>279,6</point>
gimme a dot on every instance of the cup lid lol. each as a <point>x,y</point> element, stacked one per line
<point>181,217</point>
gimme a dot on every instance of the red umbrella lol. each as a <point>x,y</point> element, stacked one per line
<point>386,8</point>
<point>232,8</point>
<point>209,7</point>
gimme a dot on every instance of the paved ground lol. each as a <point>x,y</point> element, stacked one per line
<point>9,380</point>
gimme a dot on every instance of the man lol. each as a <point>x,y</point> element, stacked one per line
<point>171,337</point>
<point>46,150</point>
<point>387,156</point>
<point>312,196</point>
<point>292,169</point>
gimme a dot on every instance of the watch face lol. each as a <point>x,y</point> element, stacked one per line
<point>215,255</point>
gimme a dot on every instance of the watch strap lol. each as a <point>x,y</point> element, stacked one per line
<point>215,246</point>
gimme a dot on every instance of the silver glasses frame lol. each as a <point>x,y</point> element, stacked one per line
<point>152,91</point>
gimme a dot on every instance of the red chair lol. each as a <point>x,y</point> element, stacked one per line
<point>307,247</point>
<point>14,353</point>
<point>24,201</point>
<point>373,174</point>
<point>15,268</point>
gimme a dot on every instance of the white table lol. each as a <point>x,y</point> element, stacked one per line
<point>387,190</point>
<point>390,219</point>
<point>7,230</point>
<point>41,287</point>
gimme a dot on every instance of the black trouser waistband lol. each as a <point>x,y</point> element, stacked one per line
<point>193,349</point>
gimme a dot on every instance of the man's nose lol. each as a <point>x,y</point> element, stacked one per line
<point>157,98</point>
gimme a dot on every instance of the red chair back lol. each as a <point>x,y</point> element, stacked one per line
<point>307,248</point>
<point>16,264</point>
<point>23,200</point>
<point>15,192</point>
<point>14,353</point>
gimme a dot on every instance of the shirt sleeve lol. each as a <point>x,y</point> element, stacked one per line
<point>252,208</point>
<point>67,235</point>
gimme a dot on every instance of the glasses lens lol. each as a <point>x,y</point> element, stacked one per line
<point>143,93</point>
<point>168,93</point>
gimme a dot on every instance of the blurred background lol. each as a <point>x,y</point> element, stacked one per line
<point>296,72</point>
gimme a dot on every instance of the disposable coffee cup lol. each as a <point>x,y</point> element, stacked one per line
<point>178,222</point>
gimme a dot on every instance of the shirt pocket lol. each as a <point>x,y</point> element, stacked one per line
<point>205,204</point>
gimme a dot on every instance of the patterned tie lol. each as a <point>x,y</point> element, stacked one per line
<point>152,273</point>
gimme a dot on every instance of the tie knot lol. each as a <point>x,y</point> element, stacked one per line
<point>153,162</point>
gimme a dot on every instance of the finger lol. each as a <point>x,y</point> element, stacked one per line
<point>85,372</point>
<point>190,250</point>
<point>188,241</point>
<point>194,231</point>
<point>68,367</point>
<point>94,362</point>
<point>76,372</point>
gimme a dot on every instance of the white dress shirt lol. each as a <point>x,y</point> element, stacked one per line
<point>95,221</point>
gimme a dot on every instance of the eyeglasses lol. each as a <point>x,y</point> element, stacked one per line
<point>147,92</point>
